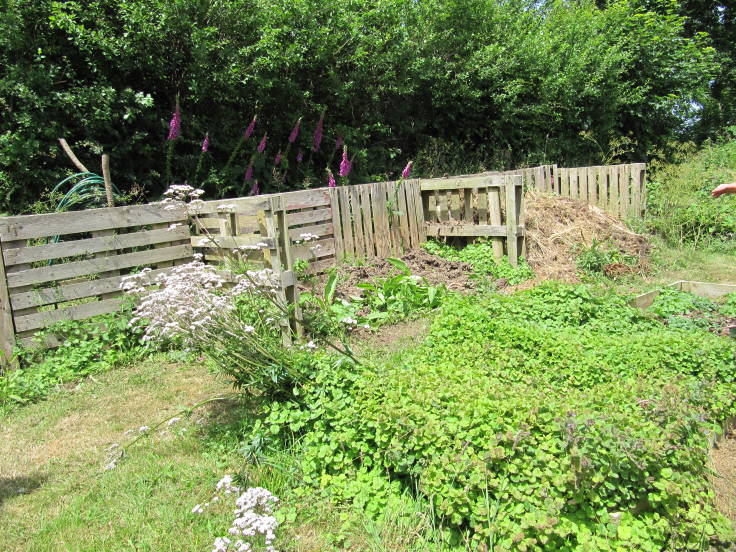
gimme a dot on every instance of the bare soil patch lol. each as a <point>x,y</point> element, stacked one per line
<point>390,337</point>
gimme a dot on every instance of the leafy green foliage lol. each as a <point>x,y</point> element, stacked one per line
<point>482,85</point>
<point>86,347</point>
<point>558,418</point>
<point>594,259</point>
<point>480,255</point>
<point>680,208</point>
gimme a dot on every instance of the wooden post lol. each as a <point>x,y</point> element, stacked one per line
<point>288,280</point>
<point>7,327</point>
<point>336,224</point>
<point>512,230</point>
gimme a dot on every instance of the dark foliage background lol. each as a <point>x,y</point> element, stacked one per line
<point>456,85</point>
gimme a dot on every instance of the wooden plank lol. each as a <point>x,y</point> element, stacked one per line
<point>613,190</point>
<point>475,230</point>
<point>555,179</point>
<point>444,206</point>
<point>427,204</point>
<point>564,182</point>
<point>314,250</point>
<point>357,215</point>
<point>380,222</point>
<point>93,266</point>
<point>461,183</point>
<point>454,202</point>
<point>7,328</point>
<point>574,184</point>
<point>412,200</point>
<point>494,215</point>
<point>592,185</point>
<point>231,242</point>
<point>74,291</point>
<point>625,190</point>
<point>482,202</point>
<point>392,202</point>
<point>602,177</point>
<point>406,237</point>
<point>308,217</point>
<point>520,220</point>
<point>468,205</point>
<point>45,319</point>
<point>512,248</point>
<point>75,222</point>
<point>318,267</point>
<point>583,183</point>
<point>366,206</point>
<point>60,250</point>
<point>336,224</point>
<point>242,205</point>
<point>346,223</point>
<point>302,199</point>
<point>326,229</point>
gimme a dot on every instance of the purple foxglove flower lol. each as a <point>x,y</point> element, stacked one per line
<point>295,131</point>
<point>262,145</point>
<point>339,141</point>
<point>407,170</point>
<point>300,156</point>
<point>345,165</point>
<point>249,130</point>
<point>249,172</point>
<point>319,132</point>
<point>206,142</point>
<point>256,189</point>
<point>330,179</point>
<point>277,160</point>
<point>175,124</point>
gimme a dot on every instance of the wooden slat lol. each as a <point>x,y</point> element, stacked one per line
<point>308,217</point>
<point>613,190</point>
<point>444,206</point>
<point>303,199</point>
<point>592,185</point>
<point>406,241</point>
<point>366,218</point>
<point>512,230</point>
<point>461,183</point>
<point>412,200</point>
<point>494,215</point>
<point>380,221</point>
<point>564,182</point>
<point>336,224</point>
<point>466,230</point>
<point>326,229</point>
<point>482,199</point>
<point>624,190</point>
<point>45,319</point>
<point>556,179</point>
<point>72,292</point>
<point>583,183</point>
<point>94,266</point>
<point>574,183</point>
<point>357,215</point>
<point>76,222</point>
<point>455,204</point>
<point>306,251</point>
<point>394,218</point>
<point>243,205</point>
<point>346,223</point>
<point>230,242</point>
<point>317,267</point>
<point>602,187</point>
<point>7,328</point>
<point>468,205</point>
<point>427,205</point>
<point>60,250</point>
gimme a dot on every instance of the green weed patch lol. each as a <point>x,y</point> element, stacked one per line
<point>554,419</point>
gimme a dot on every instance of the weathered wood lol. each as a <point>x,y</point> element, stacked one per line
<point>7,328</point>
<point>444,206</point>
<point>365,193</point>
<point>564,182</point>
<point>217,241</point>
<point>380,222</point>
<point>95,266</point>
<point>303,199</point>
<point>325,229</point>
<point>45,319</point>
<point>461,183</point>
<point>602,177</point>
<point>51,251</point>
<point>357,216</point>
<point>455,206</point>
<point>592,185</point>
<point>414,198</point>
<point>73,291</point>
<point>318,267</point>
<point>613,189</point>
<point>75,222</point>
<point>336,224</point>
<point>394,218</point>
<point>468,230</point>
<point>346,223</point>
<point>512,229</point>
<point>624,190</point>
<point>406,241</point>
<point>482,199</point>
<point>314,250</point>
<point>308,217</point>
<point>494,215</point>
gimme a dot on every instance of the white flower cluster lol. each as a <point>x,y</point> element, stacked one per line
<point>254,521</point>
<point>180,196</point>
<point>189,299</point>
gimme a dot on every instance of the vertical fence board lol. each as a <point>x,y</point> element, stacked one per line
<point>7,328</point>
<point>592,185</point>
<point>613,189</point>
<point>364,192</point>
<point>468,205</point>
<point>624,186</point>
<point>357,216</point>
<point>482,198</point>
<point>494,212</point>
<point>394,218</point>
<point>417,225</point>
<point>346,223</point>
<point>336,224</point>
<point>406,241</point>
<point>512,248</point>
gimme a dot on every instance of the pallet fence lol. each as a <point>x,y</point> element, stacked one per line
<point>69,266</point>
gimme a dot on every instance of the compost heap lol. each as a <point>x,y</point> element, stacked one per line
<point>556,228</point>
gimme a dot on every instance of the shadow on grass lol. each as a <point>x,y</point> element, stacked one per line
<point>14,486</point>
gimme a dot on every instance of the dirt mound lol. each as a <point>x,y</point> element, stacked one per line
<point>454,275</point>
<point>555,226</point>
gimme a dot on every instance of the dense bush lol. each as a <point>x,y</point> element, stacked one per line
<point>554,419</point>
<point>456,85</point>
<point>679,204</point>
